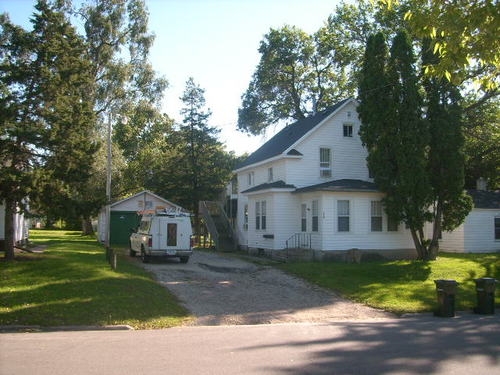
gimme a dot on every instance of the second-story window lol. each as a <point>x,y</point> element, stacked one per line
<point>348,130</point>
<point>250,179</point>
<point>270,176</point>
<point>325,162</point>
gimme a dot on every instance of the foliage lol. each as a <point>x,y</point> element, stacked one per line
<point>402,286</point>
<point>129,91</point>
<point>416,162</point>
<point>198,168</point>
<point>298,75</point>
<point>464,34</point>
<point>47,118</point>
<point>70,283</point>
<point>446,152</point>
<point>482,142</point>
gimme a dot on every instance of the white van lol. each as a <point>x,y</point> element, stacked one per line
<point>163,233</point>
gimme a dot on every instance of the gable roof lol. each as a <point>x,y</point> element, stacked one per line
<point>144,193</point>
<point>288,136</point>
<point>341,185</point>
<point>485,198</point>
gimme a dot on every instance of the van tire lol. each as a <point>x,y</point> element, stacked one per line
<point>144,257</point>
<point>131,252</point>
<point>184,259</point>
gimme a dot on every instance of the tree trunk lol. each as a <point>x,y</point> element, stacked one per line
<point>87,226</point>
<point>10,210</point>
<point>419,246</point>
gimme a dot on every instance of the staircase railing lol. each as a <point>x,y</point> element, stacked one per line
<point>209,222</point>
<point>220,229</point>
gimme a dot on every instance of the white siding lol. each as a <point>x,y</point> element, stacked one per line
<point>137,203</point>
<point>475,235</point>
<point>348,153</point>
<point>360,235</point>
<point>21,230</point>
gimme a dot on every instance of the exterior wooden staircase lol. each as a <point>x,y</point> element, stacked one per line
<point>218,225</point>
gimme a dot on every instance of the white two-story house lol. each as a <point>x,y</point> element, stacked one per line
<point>309,187</point>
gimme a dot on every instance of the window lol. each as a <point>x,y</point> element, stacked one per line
<point>171,234</point>
<point>234,185</point>
<point>497,228</point>
<point>376,213</point>
<point>260,215</point>
<point>303,217</point>
<point>325,159</point>
<point>270,175</point>
<point>250,179</point>
<point>343,216</point>
<point>315,216</point>
<point>257,215</point>
<point>348,130</point>
<point>263,218</point>
<point>392,225</point>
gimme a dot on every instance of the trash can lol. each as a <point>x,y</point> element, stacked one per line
<point>446,290</point>
<point>485,289</point>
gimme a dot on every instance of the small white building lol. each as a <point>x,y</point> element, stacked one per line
<point>480,232</point>
<point>21,228</point>
<point>126,215</point>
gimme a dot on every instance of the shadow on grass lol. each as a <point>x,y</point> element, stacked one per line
<point>89,302</point>
<point>72,284</point>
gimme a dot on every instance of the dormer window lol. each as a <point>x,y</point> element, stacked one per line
<point>325,162</point>
<point>348,130</point>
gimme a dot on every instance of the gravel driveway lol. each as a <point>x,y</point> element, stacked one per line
<point>221,290</point>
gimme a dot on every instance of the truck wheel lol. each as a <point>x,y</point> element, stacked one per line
<point>131,252</point>
<point>144,257</point>
<point>184,259</point>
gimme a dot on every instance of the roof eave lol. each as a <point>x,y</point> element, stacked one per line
<point>266,161</point>
<point>320,124</point>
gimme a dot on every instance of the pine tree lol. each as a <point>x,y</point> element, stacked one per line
<point>47,118</point>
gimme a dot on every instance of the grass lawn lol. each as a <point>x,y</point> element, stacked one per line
<point>403,286</point>
<point>71,283</point>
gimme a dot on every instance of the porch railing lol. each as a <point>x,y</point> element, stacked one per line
<point>300,240</point>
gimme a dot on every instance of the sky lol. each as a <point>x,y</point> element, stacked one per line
<point>216,42</point>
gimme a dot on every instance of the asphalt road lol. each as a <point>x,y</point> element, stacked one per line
<point>421,344</point>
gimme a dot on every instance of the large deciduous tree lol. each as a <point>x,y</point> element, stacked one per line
<point>463,33</point>
<point>298,75</point>
<point>47,118</point>
<point>129,91</point>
